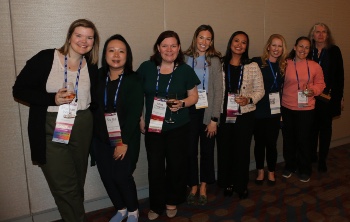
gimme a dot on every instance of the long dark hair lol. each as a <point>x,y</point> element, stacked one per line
<point>128,63</point>
<point>291,55</point>
<point>156,57</point>
<point>228,56</point>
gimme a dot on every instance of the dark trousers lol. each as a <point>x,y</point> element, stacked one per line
<point>297,128</point>
<point>233,143</point>
<point>66,166</point>
<point>265,136</point>
<point>197,133</point>
<point>322,131</point>
<point>167,167</point>
<point>116,176</point>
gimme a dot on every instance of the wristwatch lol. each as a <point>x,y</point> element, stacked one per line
<point>214,119</point>
<point>250,100</point>
<point>183,103</point>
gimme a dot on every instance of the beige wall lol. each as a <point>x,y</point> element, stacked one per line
<point>30,26</point>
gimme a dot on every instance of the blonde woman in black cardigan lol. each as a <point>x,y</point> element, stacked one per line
<point>39,84</point>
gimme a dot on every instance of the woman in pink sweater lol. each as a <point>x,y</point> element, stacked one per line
<point>303,81</point>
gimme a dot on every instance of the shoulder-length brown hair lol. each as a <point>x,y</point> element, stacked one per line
<point>211,51</point>
<point>157,58</point>
<point>282,59</point>
<point>91,56</point>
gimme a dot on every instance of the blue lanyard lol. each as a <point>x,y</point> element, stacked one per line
<point>116,92</point>
<point>205,69</point>
<point>78,74</point>
<point>229,78</point>
<point>314,57</point>
<point>296,73</point>
<point>274,76</point>
<point>167,88</point>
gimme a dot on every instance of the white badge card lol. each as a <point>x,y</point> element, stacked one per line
<point>232,109</point>
<point>64,122</point>
<point>275,103</point>
<point>158,115</point>
<point>302,99</point>
<point>113,128</point>
<point>202,99</point>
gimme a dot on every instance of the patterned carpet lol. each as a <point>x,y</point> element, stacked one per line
<point>325,198</point>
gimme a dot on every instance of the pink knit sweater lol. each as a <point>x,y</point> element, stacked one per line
<point>290,89</point>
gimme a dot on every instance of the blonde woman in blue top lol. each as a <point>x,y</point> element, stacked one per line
<point>205,60</point>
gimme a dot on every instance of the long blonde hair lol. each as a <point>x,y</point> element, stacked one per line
<point>92,56</point>
<point>282,63</point>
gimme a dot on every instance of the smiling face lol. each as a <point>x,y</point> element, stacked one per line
<point>81,40</point>
<point>275,49</point>
<point>169,49</point>
<point>203,42</point>
<point>239,44</point>
<point>302,49</point>
<point>116,54</point>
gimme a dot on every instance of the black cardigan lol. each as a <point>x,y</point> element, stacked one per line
<point>336,84</point>
<point>30,89</point>
<point>131,100</point>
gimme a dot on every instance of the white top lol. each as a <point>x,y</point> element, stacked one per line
<point>56,79</point>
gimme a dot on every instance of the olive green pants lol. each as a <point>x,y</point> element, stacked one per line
<point>66,166</point>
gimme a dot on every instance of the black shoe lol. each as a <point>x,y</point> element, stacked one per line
<point>271,182</point>
<point>259,182</point>
<point>322,166</point>
<point>228,191</point>
<point>243,195</point>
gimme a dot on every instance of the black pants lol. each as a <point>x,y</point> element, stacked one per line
<point>297,128</point>
<point>167,167</point>
<point>197,132</point>
<point>116,176</point>
<point>233,143</point>
<point>322,131</point>
<point>265,136</point>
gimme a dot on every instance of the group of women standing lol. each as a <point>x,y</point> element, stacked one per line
<point>190,97</point>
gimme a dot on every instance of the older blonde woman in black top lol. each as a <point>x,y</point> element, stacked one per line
<point>328,104</point>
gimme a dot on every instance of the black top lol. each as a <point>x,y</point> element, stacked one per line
<point>331,61</point>
<point>129,105</point>
<point>30,89</point>
<point>263,106</point>
<point>235,71</point>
